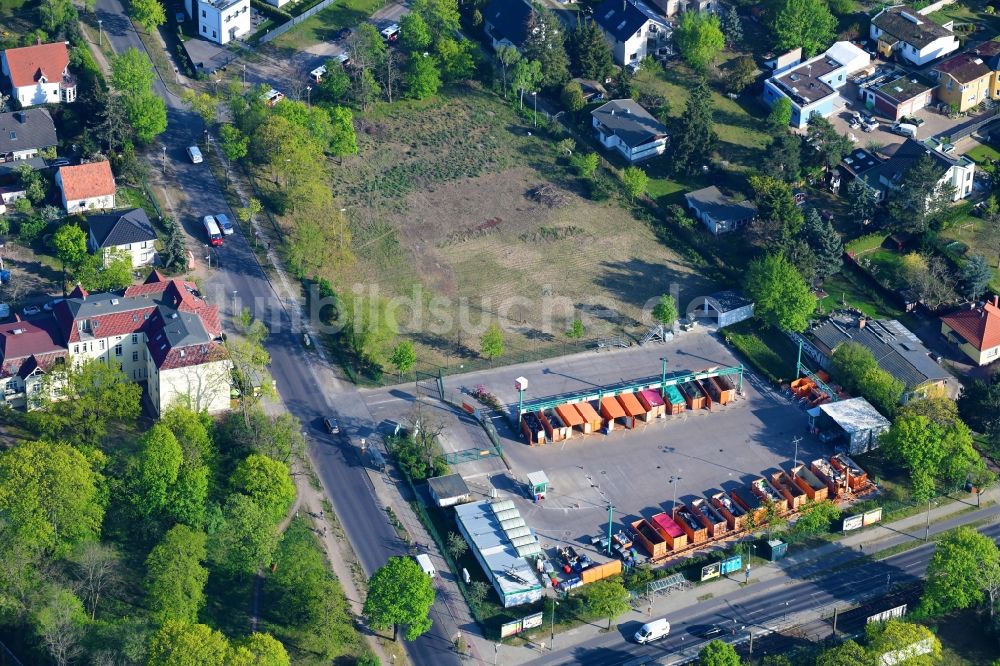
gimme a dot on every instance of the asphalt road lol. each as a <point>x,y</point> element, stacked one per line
<point>308,391</point>
<point>759,609</point>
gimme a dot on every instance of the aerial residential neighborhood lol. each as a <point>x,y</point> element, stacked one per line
<point>433,332</point>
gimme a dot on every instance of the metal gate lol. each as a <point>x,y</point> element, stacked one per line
<point>429,385</point>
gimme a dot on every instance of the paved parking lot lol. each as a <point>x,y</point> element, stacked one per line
<point>934,123</point>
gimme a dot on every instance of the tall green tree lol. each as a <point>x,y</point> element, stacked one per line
<point>441,16</point>
<point>56,15</point>
<point>816,517</point>
<point>336,83</point>
<point>234,142</point>
<point>491,343</point>
<point>526,76</point>
<point>781,113</point>
<point>607,598</point>
<point>699,39</point>
<point>936,457</point>
<point>150,14</point>
<point>176,575</point>
<point>400,594</point>
<point>415,36</point>
<point>732,26</point>
<point>70,244</point>
<point>131,73</point>
<point>635,181</point>
<point>776,207</point>
<point>919,200</point>
<point>976,275</point>
<point>59,624</point>
<point>848,653</point>
<point>457,57</point>
<point>423,77</point>
<point>896,635</point>
<point>259,649</point>
<point>507,56</point>
<point>694,138</point>
<point>266,482</point>
<point>781,297</point>
<point>403,357</point>
<point>546,45</point>
<point>862,202</point>
<point>589,52</point>
<point>51,496</point>
<point>805,23</point>
<point>825,243</point>
<point>829,145</point>
<point>717,653</point>
<point>964,567</point>
<point>783,155</point>
<point>665,310</point>
<point>979,405</point>
<point>855,367</point>
<point>183,644</point>
<point>159,461</point>
<point>247,538</point>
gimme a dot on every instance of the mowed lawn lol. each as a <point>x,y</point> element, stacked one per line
<point>322,26</point>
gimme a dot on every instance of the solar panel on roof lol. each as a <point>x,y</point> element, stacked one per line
<point>512,523</point>
<point>515,532</point>
<point>529,549</point>
<point>501,505</point>
<point>507,514</point>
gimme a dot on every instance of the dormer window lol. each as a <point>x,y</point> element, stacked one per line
<point>13,135</point>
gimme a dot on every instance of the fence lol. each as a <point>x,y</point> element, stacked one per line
<point>288,25</point>
<point>967,128</point>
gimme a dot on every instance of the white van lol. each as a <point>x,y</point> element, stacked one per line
<point>195,154</point>
<point>424,560</point>
<point>652,631</point>
<point>905,129</point>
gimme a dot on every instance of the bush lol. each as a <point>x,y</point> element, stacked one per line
<point>866,243</point>
<point>601,188</point>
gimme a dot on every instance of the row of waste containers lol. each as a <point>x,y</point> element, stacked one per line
<point>625,409</point>
<point>724,514</point>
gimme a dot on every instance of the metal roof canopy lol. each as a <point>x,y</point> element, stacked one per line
<point>656,383</point>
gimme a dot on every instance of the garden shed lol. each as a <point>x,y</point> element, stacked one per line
<point>723,308</point>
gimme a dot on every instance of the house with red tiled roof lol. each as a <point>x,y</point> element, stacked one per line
<point>86,186</point>
<point>28,350</point>
<point>162,333</point>
<point>976,331</point>
<point>39,74</point>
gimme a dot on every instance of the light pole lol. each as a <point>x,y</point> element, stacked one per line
<point>244,75</point>
<point>674,481</point>
<point>309,96</point>
<point>552,637</point>
<point>797,440</point>
<point>177,75</point>
<point>100,32</point>
<point>534,121</point>
<point>164,159</point>
<point>234,302</point>
<point>496,653</point>
<point>927,526</point>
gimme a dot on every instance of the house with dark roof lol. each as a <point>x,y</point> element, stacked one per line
<point>128,231</point>
<point>975,330</point>
<point>813,86</point>
<point>28,350</point>
<point>897,351</point>
<point>958,172</point>
<point>507,22</point>
<point>87,186</point>
<point>622,124</point>
<point>912,36</point>
<point>39,74</point>
<point>902,95</point>
<point>632,29</point>
<point>855,165</point>
<point>26,133</point>
<point>718,212</point>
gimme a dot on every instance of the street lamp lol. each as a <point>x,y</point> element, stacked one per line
<point>534,121</point>
<point>100,32</point>
<point>552,638</point>
<point>244,75</point>
<point>234,302</point>
<point>308,96</point>
<point>164,159</point>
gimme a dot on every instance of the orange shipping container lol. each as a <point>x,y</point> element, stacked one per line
<point>709,517</point>
<point>611,410</point>
<point>815,489</point>
<point>632,406</point>
<point>592,421</point>
<point>794,496</point>
<point>734,514</point>
<point>601,571</point>
<point>570,417</point>
<point>696,532</point>
<point>671,531</point>
<point>651,539</point>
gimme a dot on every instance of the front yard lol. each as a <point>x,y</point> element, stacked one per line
<point>322,26</point>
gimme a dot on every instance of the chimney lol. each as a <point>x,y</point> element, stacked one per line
<point>996,301</point>
<point>19,116</point>
<point>861,323</point>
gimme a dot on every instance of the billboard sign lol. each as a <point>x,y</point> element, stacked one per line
<point>898,611</point>
<point>872,516</point>
<point>711,571</point>
<point>734,563</point>
<point>517,626</point>
<point>854,522</point>
<point>532,621</point>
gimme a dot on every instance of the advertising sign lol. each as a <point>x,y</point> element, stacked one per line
<point>898,611</point>
<point>711,571</point>
<point>734,563</point>
<point>854,522</point>
<point>872,516</point>
<point>510,628</point>
<point>532,621</point>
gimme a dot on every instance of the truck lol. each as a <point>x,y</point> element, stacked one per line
<point>652,631</point>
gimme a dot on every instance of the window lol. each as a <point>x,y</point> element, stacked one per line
<point>203,28</point>
<point>135,338</point>
<point>135,356</point>
<point>102,345</point>
<point>213,34</point>
<point>76,349</point>
<point>118,350</point>
<point>203,13</point>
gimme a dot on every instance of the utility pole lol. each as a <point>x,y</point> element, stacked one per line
<point>534,121</point>
<point>835,612</point>
<point>750,632</point>
<point>927,526</point>
<point>611,513</point>
<point>796,442</point>
<point>100,33</point>
<point>663,376</point>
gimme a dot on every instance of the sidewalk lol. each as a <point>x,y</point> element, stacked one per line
<point>804,564</point>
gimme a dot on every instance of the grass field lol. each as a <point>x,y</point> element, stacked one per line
<point>439,201</point>
<point>321,26</point>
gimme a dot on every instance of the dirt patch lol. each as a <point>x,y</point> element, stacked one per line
<point>31,280</point>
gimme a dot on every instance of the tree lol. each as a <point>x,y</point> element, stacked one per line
<point>741,74</point>
<point>94,276</point>
<point>607,598</point>
<point>266,482</point>
<point>456,545</point>
<point>546,45</point>
<point>206,106</point>
<point>976,276</point>
<point>158,464</point>
<point>93,395</point>
<point>928,276</point>
<point>896,636</point>
<point>816,517</point>
<point>414,35</point>
<point>369,327</point>
<point>935,456</point>
<point>665,310</point>
<point>96,568</point>
<point>51,496</point>
<point>717,653</point>
<point>825,243</point>
<point>586,164</point>
<point>491,343</point>
<point>781,113</point>
<point>805,23</point>
<point>782,156</point>
<point>234,142</point>
<point>150,14</point>
<point>247,538</point>
<point>183,644</point>
<point>507,56</point>
<point>848,653</point>
<point>59,624</point>
<point>336,83</point>
<point>782,298</point>
<point>919,199</point>
<point>694,139</point>
<point>400,594</point>
<point>526,76</point>
<point>176,576</point>
<point>456,57</point>
<point>699,39</point>
<point>589,52</point>
<point>478,591</point>
<point>731,26</point>
<point>856,369</point>
<point>962,562</point>
<point>422,77</point>
<point>776,205</point>
<point>862,201</point>
<point>57,15</point>
<point>403,357</point>
<point>70,244</point>
<point>259,650</point>
<point>572,97</point>
<point>147,113</point>
<point>576,330</point>
<point>635,181</point>
<point>441,16</point>
<point>131,73</point>
<point>979,406</point>
<point>829,145</point>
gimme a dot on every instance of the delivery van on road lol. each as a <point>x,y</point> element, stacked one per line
<point>424,560</point>
<point>652,631</point>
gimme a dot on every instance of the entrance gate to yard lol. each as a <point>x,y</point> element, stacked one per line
<point>429,385</point>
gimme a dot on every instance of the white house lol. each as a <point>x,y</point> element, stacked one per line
<point>622,124</point>
<point>632,29</point>
<point>671,7</point>
<point>911,35</point>
<point>127,231</point>
<point>718,212</point>
<point>39,74</point>
<point>86,187</point>
<point>812,86</point>
<point>28,350</point>
<point>959,172</point>
<point>222,21</point>
<point>25,133</point>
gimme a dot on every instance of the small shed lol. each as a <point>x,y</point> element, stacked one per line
<point>633,407</point>
<point>449,490</point>
<point>538,484</point>
<point>591,419</point>
<point>723,308</point>
<point>853,424</point>
<point>653,403</point>
<point>611,410</point>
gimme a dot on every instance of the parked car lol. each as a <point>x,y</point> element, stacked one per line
<point>51,305</point>
<point>225,224</point>
<point>904,129</point>
<point>912,120</point>
<point>59,162</point>
<point>331,425</point>
<point>31,310</point>
<point>652,631</point>
<point>194,152</point>
<point>272,97</point>
<point>870,125</point>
